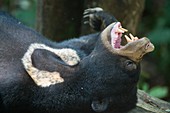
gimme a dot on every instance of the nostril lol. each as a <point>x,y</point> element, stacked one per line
<point>147,45</point>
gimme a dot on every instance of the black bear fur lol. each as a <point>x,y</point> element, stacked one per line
<point>100,75</point>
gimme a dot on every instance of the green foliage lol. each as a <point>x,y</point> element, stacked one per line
<point>155,25</point>
<point>160,36</point>
<point>26,12</point>
<point>158,91</point>
<point>145,86</point>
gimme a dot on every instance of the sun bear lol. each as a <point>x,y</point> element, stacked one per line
<point>89,74</point>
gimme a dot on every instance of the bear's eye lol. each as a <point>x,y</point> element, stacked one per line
<point>130,65</point>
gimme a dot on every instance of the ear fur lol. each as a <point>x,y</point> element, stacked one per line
<point>45,78</point>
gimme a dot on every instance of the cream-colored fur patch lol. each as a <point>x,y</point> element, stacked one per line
<point>45,78</point>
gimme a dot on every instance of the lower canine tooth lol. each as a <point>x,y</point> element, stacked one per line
<point>136,38</point>
<point>128,39</point>
<point>131,36</point>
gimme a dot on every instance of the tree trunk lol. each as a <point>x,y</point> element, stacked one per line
<point>59,19</point>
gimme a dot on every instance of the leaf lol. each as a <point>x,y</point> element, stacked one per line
<point>27,14</point>
<point>145,86</point>
<point>158,91</point>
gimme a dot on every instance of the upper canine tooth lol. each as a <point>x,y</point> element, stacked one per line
<point>120,30</point>
<point>125,30</point>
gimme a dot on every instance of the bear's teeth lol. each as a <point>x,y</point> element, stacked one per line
<point>123,29</point>
<point>131,38</point>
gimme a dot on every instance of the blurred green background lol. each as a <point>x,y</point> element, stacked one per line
<point>24,10</point>
<point>154,23</point>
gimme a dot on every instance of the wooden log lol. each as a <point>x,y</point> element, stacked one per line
<point>149,104</point>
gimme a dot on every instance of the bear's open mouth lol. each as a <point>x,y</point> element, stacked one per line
<point>135,47</point>
<point>116,35</point>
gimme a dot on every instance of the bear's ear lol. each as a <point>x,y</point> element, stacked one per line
<point>44,63</point>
